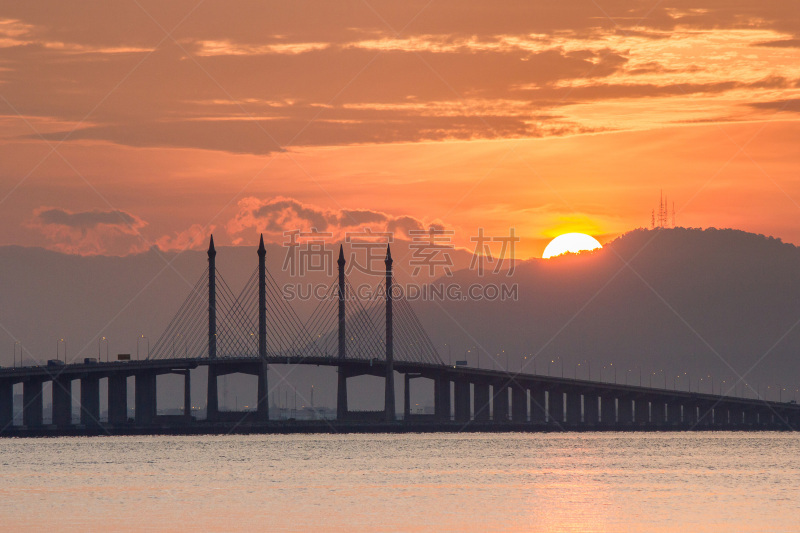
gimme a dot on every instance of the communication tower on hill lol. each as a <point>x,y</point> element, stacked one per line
<point>662,218</point>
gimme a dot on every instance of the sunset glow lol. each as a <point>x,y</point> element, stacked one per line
<point>145,125</point>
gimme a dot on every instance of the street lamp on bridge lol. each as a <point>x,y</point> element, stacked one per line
<point>138,340</point>
<point>59,342</point>
<point>100,342</point>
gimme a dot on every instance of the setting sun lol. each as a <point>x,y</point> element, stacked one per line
<point>570,242</point>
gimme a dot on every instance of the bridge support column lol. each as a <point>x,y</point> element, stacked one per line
<point>673,413</point>
<point>642,412</point>
<point>608,410</point>
<point>481,402</point>
<point>555,406</point>
<point>341,395</point>
<point>657,413</point>
<point>407,397</point>
<point>146,397</point>
<point>625,411</point>
<point>590,410</point>
<point>500,402</point>
<point>574,408</point>
<point>62,401</point>
<point>212,401</point>
<point>6,405</point>
<point>262,407</point>
<point>461,396</point>
<point>690,414</point>
<point>519,403</point>
<point>117,399</point>
<point>706,415</point>
<point>90,401</point>
<point>442,398</point>
<point>538,406</point>
<point>750,417</point>
<point>32,403</point>
<point>187,395</point>
<point>721,415</point>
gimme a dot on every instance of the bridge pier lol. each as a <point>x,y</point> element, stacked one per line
<point>146,398</point>
<point>32,402</point>
<point>212,401</point>
<point>658,416</point>
<point>441,386</point>
<point>187,395</point>
<point>721,415</point>
<point>341,394</point>
<point>262,405</point>
<point>642,411</point>
<point>462,397</point>
<point>672,414</point>
<point>6,404</point>
<point>690,414</point>
<point>117,399</point>
<point>481,393</point>
<point>538,405</point>
<point>406,397</point>
<point>706,414</point>
<point>625,411</point>
<point>608,410</point>
<point>62,401</point>
<point>500,402</point>
<point>519,403</point>
<point>573,408</point>
<point>555,406</point>
<point>90,401</point>
<point>590,409</point>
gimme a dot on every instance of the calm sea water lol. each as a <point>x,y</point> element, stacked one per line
<point>431,482</point>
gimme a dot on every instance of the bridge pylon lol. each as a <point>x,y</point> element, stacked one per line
<point>389,389</point>
<point>263,384</point>
<point>212,404</point>
<point>341,388</point>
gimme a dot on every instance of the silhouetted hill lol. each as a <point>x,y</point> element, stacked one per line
<point>706,302</point>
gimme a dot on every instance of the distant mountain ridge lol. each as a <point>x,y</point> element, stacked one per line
<point>705,302</point>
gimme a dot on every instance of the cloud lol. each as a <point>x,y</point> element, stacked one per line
<point>193,238</point>
<point>275,216</point>
<point>87,220</point>
<point>342,76</point>
<point>781,43</point>
<point>94,232</point>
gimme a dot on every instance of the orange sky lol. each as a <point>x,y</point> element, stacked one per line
<point>128,125</point>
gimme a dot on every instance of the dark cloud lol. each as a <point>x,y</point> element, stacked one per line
<point>278,215</point>
<point>783,43</point>
<point>234,82</point>
<point>87,220</point>
<point>94,232</point>
<point>790,104</point>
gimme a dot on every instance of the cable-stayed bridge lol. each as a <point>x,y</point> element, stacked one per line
<point>245,332</point>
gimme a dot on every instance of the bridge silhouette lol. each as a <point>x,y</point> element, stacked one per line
<point>246,332</point>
